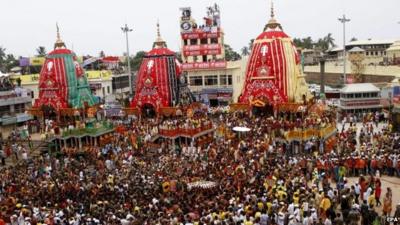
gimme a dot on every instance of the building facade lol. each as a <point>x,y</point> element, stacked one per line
<point>14,101</point>
<point>210,76</point>
<point>377,65</point>
<point>360,98</point>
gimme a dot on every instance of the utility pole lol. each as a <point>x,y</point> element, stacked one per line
<point>126,30</point>
<point>322,77</point>
<point>344,20</point>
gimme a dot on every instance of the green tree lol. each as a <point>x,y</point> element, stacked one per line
<point>307,42</point>
<point>102,54</point>
<point>137,60</point>
<point>251,44</point>
<point>245,51</point>
<point>10,62</point>
<point>330,41</point>
<point>322,44</point>
<point>353,39</point>
<point>2,58</point>
<point>230,54</point>
<point>41,51</point>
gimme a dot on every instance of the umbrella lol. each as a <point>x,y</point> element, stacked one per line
<point>241,129</point>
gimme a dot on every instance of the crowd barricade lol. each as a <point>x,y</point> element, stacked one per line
<point>307,134</point>
<point>184,131</point>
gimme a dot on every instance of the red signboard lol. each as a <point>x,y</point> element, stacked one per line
<point>192,50</point>
<point>204,65</point>
<point>224,95</point>
<point>201,47</point>
<point>202,52</point>
<point>200,35</point>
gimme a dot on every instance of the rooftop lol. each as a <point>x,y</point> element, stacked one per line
<point>370,42</point>
<point>359,88</point>
<point>356,49</point>
<point>394,47</point>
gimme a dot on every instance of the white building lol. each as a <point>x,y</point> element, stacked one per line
<point>13,104</point>
<point>359,98</point>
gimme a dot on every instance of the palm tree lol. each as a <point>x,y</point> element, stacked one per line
<point>322,44</point>
<point>307,43</point>
<point>41,51</point>
<point>330,40</point>
<point>245,51</point>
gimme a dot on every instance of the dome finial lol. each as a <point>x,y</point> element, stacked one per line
<point>159,43</point>
<point>272,9</point>
<point>158,29</point>
<point>272,23</point>
<point>59,43</point>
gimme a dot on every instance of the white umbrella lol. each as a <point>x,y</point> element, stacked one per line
<point>241,129</point>
<point>3,74</point>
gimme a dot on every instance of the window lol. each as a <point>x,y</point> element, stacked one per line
<point>196,81</point>
<point>4,110</point>
<point>185,42</point>
<point>211,80</point>
<point>358,95</point>
<point>204,41</point>
<point>204,58</point>
<point>222,80</point>
<point>19,108</point>
<point>225,79</point>
<point>214,40</point>
<point>193,41</point>
<point>367,53</point>
<point>195,58</point>
<point>366,95</point>
<point>108,89</point>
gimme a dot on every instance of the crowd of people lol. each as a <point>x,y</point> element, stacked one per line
<point>254,179</point>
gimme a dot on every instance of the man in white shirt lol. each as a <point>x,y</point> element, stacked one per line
<point>357,191</point>
<point>328,221</point>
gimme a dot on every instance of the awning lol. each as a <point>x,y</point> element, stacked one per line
<point>7,120</point>
<point>22,117</point>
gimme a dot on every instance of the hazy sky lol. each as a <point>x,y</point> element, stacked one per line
<point>90,26</point>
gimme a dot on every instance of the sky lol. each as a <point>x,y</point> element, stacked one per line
<point>90,26</point>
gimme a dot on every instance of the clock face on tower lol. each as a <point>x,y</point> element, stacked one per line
<point>186,26</point>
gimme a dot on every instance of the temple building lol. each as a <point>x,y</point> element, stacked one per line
<point>63,83</point>
<point>273,74</point>
<point>159,82</point>
<point>70,113</point>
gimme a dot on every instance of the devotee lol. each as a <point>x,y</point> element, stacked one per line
<point>254,179</point>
